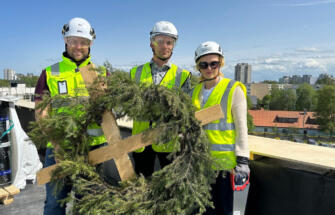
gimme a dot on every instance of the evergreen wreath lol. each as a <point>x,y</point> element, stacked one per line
<point>183,187</point>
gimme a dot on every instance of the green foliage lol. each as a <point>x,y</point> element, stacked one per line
<point>108,66</point>
<point>306,98</point>
<point>325,110</point>
<point>282,99</point>
<point>4,83</point>
<point>30,81</point>
<point>249,102</point>
<point>179,188</point>
<point>250,122</point>
<point>325,80</point>
<point>269,82</point>
<point>250,119</point>
<point>266,102</point>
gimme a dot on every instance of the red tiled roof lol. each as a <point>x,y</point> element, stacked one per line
<point>267,118</point>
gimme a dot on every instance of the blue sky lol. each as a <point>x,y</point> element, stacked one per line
<point>277,37</point>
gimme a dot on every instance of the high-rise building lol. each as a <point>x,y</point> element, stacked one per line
<point>296,79</point>
<point>243,73</point>
<point>9,74</point>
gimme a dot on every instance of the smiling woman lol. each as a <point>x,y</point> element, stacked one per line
<point>228,136</point>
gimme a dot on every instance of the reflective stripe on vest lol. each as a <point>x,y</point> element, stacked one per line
<point>223,125</point>
<point>138,74</point>
<point>68,101</point>
<point>96,132</point>
<point>55,69</point>
<point>178,80</point>
<point>221,133</point>
<point>223,147</point>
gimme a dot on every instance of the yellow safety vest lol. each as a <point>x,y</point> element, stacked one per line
<point>64,78</point>
<point>174,77</point>
<point>221,133</point>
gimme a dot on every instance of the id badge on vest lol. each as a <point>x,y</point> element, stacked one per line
<point>62,87</point>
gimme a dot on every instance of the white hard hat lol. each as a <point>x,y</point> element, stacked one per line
<point>208,47</point>
<point>78,27</point>
<point>164,28</point>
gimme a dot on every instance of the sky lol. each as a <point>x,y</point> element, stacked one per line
<point>277,37</point>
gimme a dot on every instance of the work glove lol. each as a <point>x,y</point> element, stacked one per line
<point>239,177</point>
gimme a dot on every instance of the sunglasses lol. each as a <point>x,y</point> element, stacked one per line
<point>213,65</point>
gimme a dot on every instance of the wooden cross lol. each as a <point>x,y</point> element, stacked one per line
<point>117,148</point>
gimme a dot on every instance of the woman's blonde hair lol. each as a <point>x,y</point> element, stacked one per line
<point>221,59</point>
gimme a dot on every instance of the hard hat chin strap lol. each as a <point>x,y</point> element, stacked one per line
<point>210,79</point>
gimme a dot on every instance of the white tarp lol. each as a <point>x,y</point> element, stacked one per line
<point>25,159</point>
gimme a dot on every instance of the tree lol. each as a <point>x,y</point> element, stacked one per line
<point>270,82</point>
<point>325,79</point>
<point>250,122</point>
<point>290,97</point>
<point>282,99</point>
<point>4,83</point>
<point>108,66</point>
<point>265,103</point>
<point>325,109</point>
<point>249,102</point>
<point>30,81</point>
<point>306,98</point>
<point>250,119</point>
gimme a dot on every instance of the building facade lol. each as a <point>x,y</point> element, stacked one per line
<point>9,74</point>
<point>296,79</point>
<point>243,73</point>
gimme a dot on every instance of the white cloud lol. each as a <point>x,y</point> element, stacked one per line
<point>298,61</point>
<point>307,49</point>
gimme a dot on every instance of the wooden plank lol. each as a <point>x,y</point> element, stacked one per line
<point>319,156</point>
<point>124,146</point>
<point>44,175</point>
<point>110,128</point>
<point>7,193</point>
<point>12,190</point>
<point>112,134</point>
<point>88,73</point>
<point>8,200</point>
<point>210,114</point>
<point>3,193</point>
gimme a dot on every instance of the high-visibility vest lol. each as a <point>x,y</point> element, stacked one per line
<point>221,133</point>
<point>64,78</point>
<point>174,77</point>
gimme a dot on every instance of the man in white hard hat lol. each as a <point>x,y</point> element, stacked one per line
<point>64,78</point>
<point>159,71</point>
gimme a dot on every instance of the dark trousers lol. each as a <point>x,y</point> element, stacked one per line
<point>51,205</point>
<point>222,196</point>
<point>145,161</point>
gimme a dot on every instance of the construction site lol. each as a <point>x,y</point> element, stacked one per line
<point>286,177</point>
